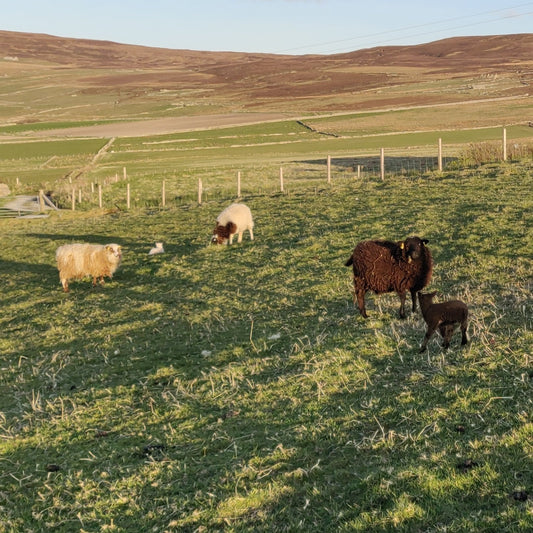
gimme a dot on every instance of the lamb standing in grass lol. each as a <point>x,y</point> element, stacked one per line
<point>78,260</point>
<point>235,219</point>
<point>444,316</point>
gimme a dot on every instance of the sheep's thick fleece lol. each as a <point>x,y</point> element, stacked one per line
<point>387,266</point>
<point>80,260</point>
<point>235,219</point>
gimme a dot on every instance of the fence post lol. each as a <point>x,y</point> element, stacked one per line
<point>41,200</point>
<point>281,178</point>
<point>79,195</point>
<point>440,154</point>
<point>504,141</point>
<point>73,199</point>
<point>238,184</point>
<point>125,175</point>
<point>358,171</point>
<point>100,195</point>
<point>128,203</point>
<point>329,168</point>
<point>382,164</point>
<point>163,195</point>
<point>199,191</point>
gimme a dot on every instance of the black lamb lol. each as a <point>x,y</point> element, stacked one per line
<point>386,266</point>
<point>443,316</point>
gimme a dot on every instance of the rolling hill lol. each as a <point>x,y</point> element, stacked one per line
<point>52,78</point>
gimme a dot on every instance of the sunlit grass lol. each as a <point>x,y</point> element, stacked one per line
<point>236,388</point>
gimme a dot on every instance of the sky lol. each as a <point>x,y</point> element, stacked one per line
<point>269,26</point>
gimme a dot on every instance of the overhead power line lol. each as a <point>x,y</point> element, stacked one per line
<point>414,27</point>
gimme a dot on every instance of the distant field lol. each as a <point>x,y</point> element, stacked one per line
<point>41,163</point>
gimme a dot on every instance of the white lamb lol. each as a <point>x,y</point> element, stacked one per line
<point>79,260</point>
<point>235,219</point>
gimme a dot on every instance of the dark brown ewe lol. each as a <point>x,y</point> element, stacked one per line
<point>386,266</point>
<point>445,316</point>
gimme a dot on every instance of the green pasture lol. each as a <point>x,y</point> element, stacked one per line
<point>237,389</point>
<point>45,163</point>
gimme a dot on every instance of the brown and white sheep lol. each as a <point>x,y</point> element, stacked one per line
<point>79,260</point>
<point>235,219</point>
<point>386,266</point>
<point>443,316</point>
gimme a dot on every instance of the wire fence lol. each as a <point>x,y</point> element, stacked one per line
<point>122,191</point>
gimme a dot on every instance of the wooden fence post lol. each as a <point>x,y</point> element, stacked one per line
<point>382,164</point>
<point>73,199</point>
<point>504,141</point>
<point>238,184</point>
<point>125,175</point>
<point>199,191</point>
<point>128,196</point>
<point>440,154</point>
<point>79,195</point>
<point>163,195</point>
<point>41,200</point>
<point>100,195</point>
<point>281,178</point>
<point>329,168</point>
<point>358,171</point>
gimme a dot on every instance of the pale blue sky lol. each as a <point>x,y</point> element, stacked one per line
<point>274,26</point>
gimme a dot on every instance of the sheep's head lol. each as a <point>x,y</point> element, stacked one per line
<point>114,251</point>
<point>222,233</point>
<point>413,248</point>
<point>425,300</point>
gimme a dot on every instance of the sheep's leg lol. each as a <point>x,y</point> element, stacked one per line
<point>402,296</point>
<point>464,338</point>
<point>251,234</point>
<point>64,282</point>
<point>239,238</point>
<point>429,333</point>
<point>446,332</point>
<point>230,241</point>
<point>360,295</point>
<point>413,298</point>
<point>94,281</point>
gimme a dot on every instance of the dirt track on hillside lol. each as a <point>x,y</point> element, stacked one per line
<point>161,126</point>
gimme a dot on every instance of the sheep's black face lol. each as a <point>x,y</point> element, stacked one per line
<point>414,247</point>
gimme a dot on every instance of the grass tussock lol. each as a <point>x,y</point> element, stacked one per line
<point>237,389</point>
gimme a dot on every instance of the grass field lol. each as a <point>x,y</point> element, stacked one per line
<point>237,389</point>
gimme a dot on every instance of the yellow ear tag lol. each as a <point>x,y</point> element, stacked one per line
<point>402,246</point>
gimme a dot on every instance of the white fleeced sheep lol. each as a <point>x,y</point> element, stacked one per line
<point>79,260</point>
<point>235,219</point>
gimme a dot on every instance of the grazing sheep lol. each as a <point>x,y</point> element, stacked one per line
<point>236,218</point>
<point>77,261</point>
<point>386,266</point>
<point>444,316</point>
